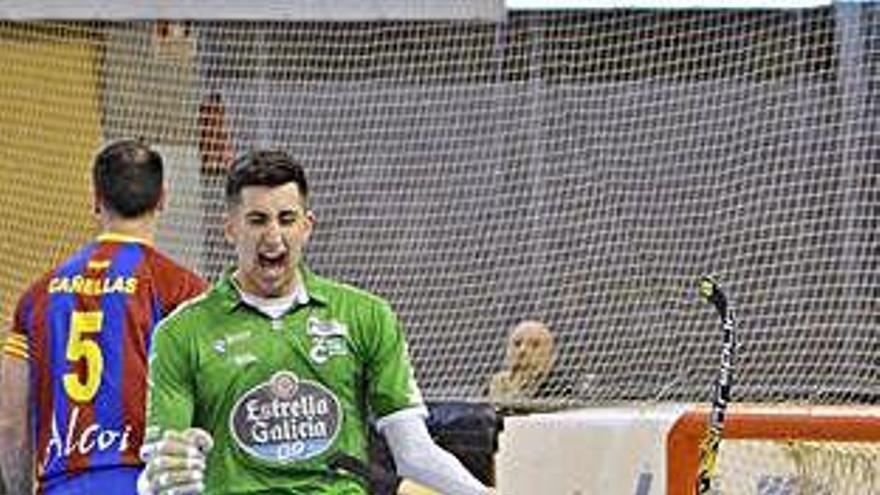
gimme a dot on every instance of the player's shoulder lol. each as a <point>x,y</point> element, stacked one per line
<point>165,264</point>
<point>40,284</point>
<point>342,293</point>
<point>69,266</point>
<point>192,313</point>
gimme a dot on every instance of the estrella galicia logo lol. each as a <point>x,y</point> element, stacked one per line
<point>286,419</point>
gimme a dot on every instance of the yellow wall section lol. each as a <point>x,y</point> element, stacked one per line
<point>49,130</point>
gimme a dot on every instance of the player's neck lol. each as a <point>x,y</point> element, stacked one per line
<point>246,285</point>
<point>142,227</point>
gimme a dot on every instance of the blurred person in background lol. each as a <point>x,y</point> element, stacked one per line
<point>529,370</point>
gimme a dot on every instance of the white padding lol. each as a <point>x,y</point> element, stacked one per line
<point>603,450</point>
<point>420,459</point>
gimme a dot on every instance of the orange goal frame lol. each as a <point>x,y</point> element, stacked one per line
<point>763,422</point>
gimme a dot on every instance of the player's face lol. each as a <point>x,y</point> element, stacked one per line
<point>269,229</point>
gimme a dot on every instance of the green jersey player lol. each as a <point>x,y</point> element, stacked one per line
<point>258,385</point>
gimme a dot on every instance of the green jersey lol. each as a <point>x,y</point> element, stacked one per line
<point>280,396</point>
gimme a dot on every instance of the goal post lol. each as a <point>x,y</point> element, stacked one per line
<point>808,449</point>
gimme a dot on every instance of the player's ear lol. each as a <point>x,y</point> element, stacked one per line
<point>310,223</point>
<point>97,205</point>
<point>163,196</point>
<point>231,221</point>
<point>229,230</point>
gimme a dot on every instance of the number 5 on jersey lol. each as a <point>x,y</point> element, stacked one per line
<point>79,346</point>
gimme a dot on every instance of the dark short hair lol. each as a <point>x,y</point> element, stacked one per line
<point>127,176</point>
<point>264,168</point>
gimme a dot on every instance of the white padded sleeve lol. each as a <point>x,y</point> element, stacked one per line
<point>420,459</point>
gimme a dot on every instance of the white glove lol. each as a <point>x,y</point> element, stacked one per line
<point>175,463</point>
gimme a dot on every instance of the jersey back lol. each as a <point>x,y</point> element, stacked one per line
<point>85,330</point>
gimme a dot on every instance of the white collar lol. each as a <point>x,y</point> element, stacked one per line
<point>275,307</point>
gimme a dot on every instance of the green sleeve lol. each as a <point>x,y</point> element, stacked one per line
<point>170,398</point>
<point>391,384</point>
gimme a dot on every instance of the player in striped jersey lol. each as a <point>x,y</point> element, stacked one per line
<point>75,366</point>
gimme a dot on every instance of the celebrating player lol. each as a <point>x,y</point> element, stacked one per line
<point>75,367</point>
<point>281,369</point>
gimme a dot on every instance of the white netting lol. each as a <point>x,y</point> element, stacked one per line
<point>579,167</point>
<point>654,448</point>
<point>799,468</point>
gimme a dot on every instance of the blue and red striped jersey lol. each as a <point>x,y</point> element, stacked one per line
<point>85,330</point>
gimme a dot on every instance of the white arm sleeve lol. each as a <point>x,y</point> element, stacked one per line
<point>420,459</point>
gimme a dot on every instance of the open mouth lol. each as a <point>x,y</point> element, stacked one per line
<point>272,261</point>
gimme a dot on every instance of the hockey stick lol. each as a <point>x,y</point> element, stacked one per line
<point>710,290</point>
<point>375,477</point>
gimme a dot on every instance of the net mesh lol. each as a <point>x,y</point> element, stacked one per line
<point>582,168</point>
<point>799,468</point>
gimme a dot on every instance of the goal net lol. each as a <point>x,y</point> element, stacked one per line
<point>778,449</point>
<point>796,450</point>
<point>821,468</point>
<point>479,167</point>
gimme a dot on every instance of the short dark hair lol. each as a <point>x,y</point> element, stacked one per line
<point>264,168</point>
<point>127,176</point>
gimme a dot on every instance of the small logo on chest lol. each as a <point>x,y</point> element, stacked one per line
<point>328,339</point>
<point>223,347</point>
